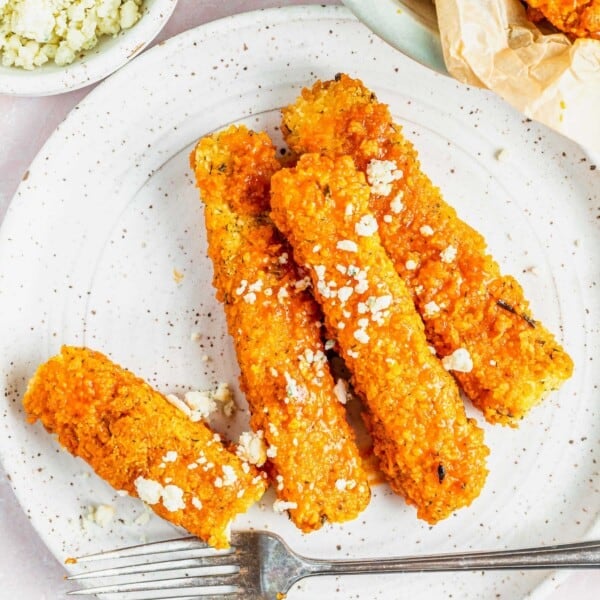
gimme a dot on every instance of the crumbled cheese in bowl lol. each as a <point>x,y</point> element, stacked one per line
<point>34,32</point>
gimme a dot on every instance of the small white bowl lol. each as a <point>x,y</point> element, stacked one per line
<point>409,26</point>
<point>105,58</point>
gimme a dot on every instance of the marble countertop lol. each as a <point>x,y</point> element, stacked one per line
<point>28,571</point>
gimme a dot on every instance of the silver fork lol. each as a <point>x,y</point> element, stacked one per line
<point>260,566</point>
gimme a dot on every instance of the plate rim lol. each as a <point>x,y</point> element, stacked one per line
<point>407,34</point>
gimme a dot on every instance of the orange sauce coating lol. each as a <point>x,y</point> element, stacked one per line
<point>314,462</point>
<point>427,448</point>
<point>458,289</point>
<point>126,430</point>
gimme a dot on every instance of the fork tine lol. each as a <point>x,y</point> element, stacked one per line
<point>172,545</point>
<point>176,583</point>
<point>176,564</point>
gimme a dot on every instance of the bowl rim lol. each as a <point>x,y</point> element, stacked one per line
<point>403,29</point>
<point>96,64</point>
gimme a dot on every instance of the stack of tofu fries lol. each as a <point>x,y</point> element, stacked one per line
<point>348,241</point>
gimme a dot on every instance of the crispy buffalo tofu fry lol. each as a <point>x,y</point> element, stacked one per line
<point>138,442</point>
<point>430,452</point>
<point>313,459</point>
<point>579,18</point>
<point>478,320</point>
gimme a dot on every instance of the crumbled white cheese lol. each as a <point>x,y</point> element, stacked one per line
<point>200,403</point>
<point>502,154</point>
<point>366,226</point>
<point>341,391</point>
<point>426,231</point>
<point>229,475</point>
<point>272,451</point>
<point>430,309</point>
<point>250,297</point>
<point>387,218</point>
<point>281,506</point>
<point>283,259</point>
<point>347,245</point>
<point>381,174</point>
<point>361,335</point>
<point>33,32</point>
<point>282,293</point>
<point>411,265</point>
<point>148,490</point>
<point>170,456</point>
<point>362,286</point>
<point>251,448</point>
<point>448,254</point>
<point>172,498</point>
<point>460,360</point>
<point>242,287</point>
<point>396,204</point>
<point>329,344</point>
<point>197,503</point>
<point>303,283</point>
<point>344,293</point>
<point>340,484</point>
<point>101,515</point>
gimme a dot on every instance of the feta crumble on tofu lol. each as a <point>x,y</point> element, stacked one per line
<point>448,254</point>
<point>347,245</point>
<point>33,32</point>
<point>460,360</point>
<point>341,391</point>
<point>381,174</point>
<point>251,448</point>
<point>411,265</point>
<point>149,491</point>
<point>170,456</point>
<point>281,506</point>
<point>366,226</point>
<point>173,498</point>
<point>199,405</point>
<point>426,231</point>
<point>396,205</point>
<point>431,308</point>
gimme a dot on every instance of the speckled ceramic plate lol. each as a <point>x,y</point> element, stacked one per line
<point>108,212</point>
<point>409,26</point>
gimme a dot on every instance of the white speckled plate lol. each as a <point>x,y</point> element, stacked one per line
<point>106,57</point>
<point>409,26</point>
<point>108,212</point>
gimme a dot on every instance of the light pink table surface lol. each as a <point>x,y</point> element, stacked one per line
<point>27,570</point>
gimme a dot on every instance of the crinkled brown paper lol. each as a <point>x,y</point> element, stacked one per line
<point>549,78</point>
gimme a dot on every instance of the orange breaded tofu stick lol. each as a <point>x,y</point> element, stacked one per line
<point>580,18</point>
<point>430,452</point>
<point>313,459</point>
<point>478,320</point>
<point>138,442</point>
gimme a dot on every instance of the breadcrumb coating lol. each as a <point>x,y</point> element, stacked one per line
<point>458,289</point>
<point>578,18</point>
<point>313,459</point>
<point>427,448</point>
<point>138,442</point>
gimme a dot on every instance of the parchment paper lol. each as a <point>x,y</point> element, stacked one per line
<point>492,44</point>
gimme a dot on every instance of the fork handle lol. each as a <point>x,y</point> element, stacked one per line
<point>582,555</point>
